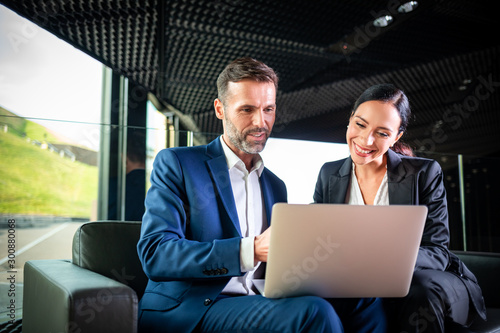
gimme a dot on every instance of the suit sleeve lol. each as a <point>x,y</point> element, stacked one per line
<point>165,251</point>
<point>433,252</point>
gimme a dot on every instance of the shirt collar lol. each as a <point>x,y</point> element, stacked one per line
<point>234,161</point>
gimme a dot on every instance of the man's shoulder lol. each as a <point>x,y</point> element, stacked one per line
<point>179,158</point>
<point>212,149</point>
<point>271,175</point>
<point>182,152</point>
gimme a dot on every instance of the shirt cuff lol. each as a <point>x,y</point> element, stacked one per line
<point>246,254</point>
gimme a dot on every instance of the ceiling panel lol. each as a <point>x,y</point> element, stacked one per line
<point>444,54</point>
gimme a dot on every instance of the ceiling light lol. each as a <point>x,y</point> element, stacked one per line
<point>408,7</point>
<point>464,85</point>
<point>383,21</point>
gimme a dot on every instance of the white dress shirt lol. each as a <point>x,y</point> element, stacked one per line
<point>355,197</point>
<point>251,215</point>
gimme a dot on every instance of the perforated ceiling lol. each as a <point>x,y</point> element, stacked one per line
<point>445,55</point>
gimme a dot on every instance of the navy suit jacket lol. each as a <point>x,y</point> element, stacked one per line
<point>190,237</point>
<point>411,181</point>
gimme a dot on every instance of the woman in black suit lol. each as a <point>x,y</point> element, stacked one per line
<point>382,171</point>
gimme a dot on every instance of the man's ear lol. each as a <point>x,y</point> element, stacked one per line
<point>219,108</point>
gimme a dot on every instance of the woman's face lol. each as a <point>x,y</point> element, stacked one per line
<point>373,129</point>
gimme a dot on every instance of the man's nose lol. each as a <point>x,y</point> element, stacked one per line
<point>259,118</point>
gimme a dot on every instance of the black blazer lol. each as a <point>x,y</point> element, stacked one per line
<point>411,181</point>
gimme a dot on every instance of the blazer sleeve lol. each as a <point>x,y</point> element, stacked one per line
<point>320,188</point>
<point>165,247</point>
<point>433,252</point>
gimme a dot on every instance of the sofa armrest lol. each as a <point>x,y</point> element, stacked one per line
<point>486,268</point>
<point>62,297</point>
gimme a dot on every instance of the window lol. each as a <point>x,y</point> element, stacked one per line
<point>50,105</point>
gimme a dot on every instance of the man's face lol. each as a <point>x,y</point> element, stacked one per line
<point>248,115</point>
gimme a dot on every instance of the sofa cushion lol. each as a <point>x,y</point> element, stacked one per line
<point>109,248</point>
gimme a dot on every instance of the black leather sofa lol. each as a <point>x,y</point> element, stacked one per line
<point>98,290</point>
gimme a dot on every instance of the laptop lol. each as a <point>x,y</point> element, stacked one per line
<point>334,250</point>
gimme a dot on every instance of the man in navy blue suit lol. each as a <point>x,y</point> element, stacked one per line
<point>205,233</point>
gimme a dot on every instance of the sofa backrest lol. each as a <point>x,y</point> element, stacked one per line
<point>109,248</point>
<point>486,268</point>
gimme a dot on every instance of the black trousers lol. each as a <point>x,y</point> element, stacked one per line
<point>434,298</point>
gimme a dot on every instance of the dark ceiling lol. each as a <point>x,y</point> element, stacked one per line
<point>444,54</point>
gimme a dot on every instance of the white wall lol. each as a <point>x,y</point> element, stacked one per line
<point>298,162</point>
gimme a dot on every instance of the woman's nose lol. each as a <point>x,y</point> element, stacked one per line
<point>368,139</point>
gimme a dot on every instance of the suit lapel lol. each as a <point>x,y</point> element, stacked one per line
<point>267,194</point>
<point>217,166</point>
<point>400,183</point>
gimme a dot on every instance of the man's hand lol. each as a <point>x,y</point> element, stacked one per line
<point>261,245</point>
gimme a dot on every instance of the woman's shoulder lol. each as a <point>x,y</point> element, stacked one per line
<point>335,163</point>
<point>420,163</point>
<point>333,166</point>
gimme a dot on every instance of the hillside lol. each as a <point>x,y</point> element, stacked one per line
<point>25,128</point>
<point>38,181</point>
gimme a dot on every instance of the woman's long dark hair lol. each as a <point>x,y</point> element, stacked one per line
<point>388,93</point>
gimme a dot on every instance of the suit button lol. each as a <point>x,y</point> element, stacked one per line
<point>207,301</point>
<point>224,271</point>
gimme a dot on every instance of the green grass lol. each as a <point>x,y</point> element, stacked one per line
<point>16,123</point>
<point>36,181</point>
<point>35,131</point>
<point>23,127</point>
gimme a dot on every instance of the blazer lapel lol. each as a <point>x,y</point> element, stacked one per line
<point>267,194</point>
<point>400,183</point>
<point>220,176</point>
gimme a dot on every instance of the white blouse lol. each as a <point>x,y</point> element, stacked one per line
<point>354,196</point>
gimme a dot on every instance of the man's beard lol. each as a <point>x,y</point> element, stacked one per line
<point>239,139</point>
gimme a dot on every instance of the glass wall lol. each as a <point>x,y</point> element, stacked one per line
<point>50,105</point>
<point>48,188</point>
<point>472,191</point>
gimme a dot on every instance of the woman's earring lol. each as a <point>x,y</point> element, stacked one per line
<point>347,126</point>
